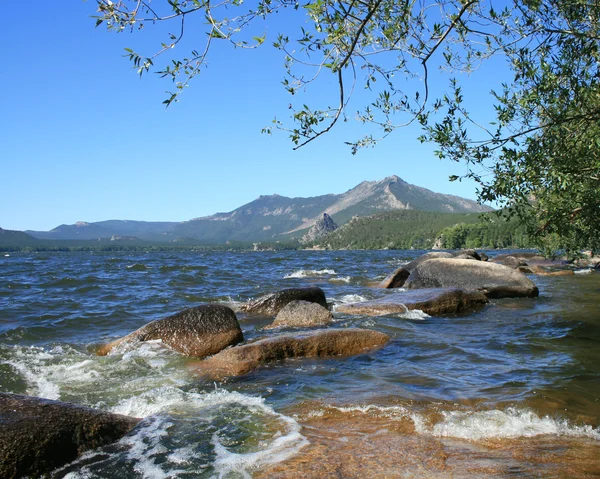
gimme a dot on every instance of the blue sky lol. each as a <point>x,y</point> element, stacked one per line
<point>85,139</point>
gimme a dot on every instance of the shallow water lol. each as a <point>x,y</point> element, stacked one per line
<point>521,374</point>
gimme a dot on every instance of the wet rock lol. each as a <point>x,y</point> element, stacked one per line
<point>271,304</point>
<point>199,331</point>
<point>435,302</point>
<point>300,314</point>
<point>527,257</point>
<point>319,343</point>
<point>38,435</point>
<point>483,256</point>
<point>427,256</point>
<point>395,279</point>
<point>467,253</point>
<point>494,280</point>
<point>562,272</point>
<point>512,262</point>
<point>399,276</point>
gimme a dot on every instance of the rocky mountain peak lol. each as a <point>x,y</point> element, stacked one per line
<point>322,227</point>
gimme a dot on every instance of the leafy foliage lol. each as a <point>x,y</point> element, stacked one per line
<point>539,159</point>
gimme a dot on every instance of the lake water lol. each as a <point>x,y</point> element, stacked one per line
<point>511,391</point>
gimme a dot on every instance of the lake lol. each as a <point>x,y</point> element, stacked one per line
<point>511,391</point>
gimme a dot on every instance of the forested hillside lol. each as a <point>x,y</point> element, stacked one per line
<point>424,230</point>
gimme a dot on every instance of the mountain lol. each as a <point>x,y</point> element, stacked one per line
<point>321,228</point>
<point>273,218</point>
<point>10,238</point>
<point>146,230</point>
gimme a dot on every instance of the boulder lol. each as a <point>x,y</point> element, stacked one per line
<point>467,253</point>
<point>523,256</point>
<point>199,331</point>
<point>512,261</point>
<point>494,280</point>
<point>301,314</point>
<point>270,304</point>
<point>39,435</point>
<point>435,302</point>
<point>317,343</point>
<point>395,279</point>
<point>399,276</point>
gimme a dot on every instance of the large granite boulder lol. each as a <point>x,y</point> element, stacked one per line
<point>467,253</point>
<point>301,314</point>
<point>39,435</point>
<point>494,280</point>
<point>270,304</point>
<point>318,343</point>
<point>199,331</point>
<point>435,302</point>
<point>397,278</point>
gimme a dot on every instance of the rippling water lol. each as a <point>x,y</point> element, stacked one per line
<point>521,368</point>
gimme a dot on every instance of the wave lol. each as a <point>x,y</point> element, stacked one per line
<point>584,271</point>
<point>341,279</point>
<point>227,434</point>
<point>305,273</point>
<point>510,423</point>
<point>137,267</point>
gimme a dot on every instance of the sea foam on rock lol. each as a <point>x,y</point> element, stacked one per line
<point>199,331</point>
<point>432,301</point>
<point>270,304</point>
<point>494,280</point>
<point>38,435</point>
<point>319,343</point>
<point>299,314</point>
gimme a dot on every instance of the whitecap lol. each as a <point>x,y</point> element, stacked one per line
<point>341,279</point>
<point>304,273</point>
<point>511,423</point>
<point>415,314</point>
<point>161,445</point>
<point>583,271</point>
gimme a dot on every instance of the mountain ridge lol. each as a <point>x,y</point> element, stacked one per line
<point>276,217</point>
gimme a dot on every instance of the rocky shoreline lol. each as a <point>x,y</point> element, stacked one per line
<point>439,283</point>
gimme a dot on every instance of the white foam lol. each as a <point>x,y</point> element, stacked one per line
<point>304,273</point>
<point>415,314</point>
<point>476,425</point>
<point>584,271</point>
<point>511,423</point>
<point>341,279</point>
<point>347,299</point>
<point>281,448</point>
<point>67,374</point>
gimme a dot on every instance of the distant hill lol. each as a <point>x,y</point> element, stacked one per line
<point>10,238</point>
<point>276,218</point>
<point>146,230</point>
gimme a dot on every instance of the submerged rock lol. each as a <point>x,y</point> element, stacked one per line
<point>199,331</point>
<point>495,280</point>
<point>38,435</point>
<point>320,343</point>
<point>270,304</point>
<point>435,301</point>
<point>299,314</point>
